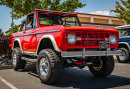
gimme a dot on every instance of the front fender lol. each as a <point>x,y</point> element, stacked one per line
<point>51,37</point>
<point>125,43</point>
<point>19,42</point>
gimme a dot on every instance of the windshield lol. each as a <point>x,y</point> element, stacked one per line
<point>52,19</point>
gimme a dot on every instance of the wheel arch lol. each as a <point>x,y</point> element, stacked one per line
<point>17,43</point>
<point>124,44</point>
<point>47,41</point>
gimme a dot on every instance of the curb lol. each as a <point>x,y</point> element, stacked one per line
<point>11,66</point>
<point>6,67</point>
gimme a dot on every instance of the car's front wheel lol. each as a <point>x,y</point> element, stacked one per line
<point>49,66</point>
<point>102,66</point>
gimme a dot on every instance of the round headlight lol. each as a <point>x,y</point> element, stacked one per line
<point>71,38</point>
<point>112,39</point>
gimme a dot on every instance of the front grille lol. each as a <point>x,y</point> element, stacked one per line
<point>91,38</point>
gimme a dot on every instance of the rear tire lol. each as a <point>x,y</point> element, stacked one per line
<point>126,56</point>
<point>105,68</point>
<point>17,62</point>
<point>49,66</point>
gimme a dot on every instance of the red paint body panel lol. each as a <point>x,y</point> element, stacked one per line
<point>57,35</point>
<point>29,40</point>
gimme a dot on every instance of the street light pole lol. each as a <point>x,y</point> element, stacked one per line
<point>12,20</point>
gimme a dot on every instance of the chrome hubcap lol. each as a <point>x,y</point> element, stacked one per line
<point>44,67</point>
<point>14,59</point>
<point>122,57</point>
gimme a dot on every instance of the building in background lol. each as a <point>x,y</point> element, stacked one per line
<point>100,21</point>
<point>6,32</point>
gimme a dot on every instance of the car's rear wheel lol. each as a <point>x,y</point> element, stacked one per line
<point>102,66</point>
<point>125,57</point>
<point>49,66</point>
<point>17,62</point>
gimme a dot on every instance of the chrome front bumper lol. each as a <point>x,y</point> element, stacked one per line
<point>67,54</point>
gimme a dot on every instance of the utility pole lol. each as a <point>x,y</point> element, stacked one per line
<point>12,20</point>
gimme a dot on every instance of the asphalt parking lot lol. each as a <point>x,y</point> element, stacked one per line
<point>72,78</point>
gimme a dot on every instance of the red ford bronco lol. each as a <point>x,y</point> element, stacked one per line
<point>55,40</point>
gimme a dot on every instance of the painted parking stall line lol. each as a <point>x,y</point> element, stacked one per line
<point>7,83</point>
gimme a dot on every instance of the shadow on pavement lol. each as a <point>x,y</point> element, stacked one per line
<point>83,79</point>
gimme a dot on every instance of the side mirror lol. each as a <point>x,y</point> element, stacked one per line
<point>29,27</point>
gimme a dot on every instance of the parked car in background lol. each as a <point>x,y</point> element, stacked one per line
<point>124,43</point>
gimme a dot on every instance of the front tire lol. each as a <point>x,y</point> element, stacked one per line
<point>125,57</point>
<point>49,66</point>
<point>105,67</point>
<point>17,62</point>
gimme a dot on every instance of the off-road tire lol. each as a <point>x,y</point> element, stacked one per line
<point>55,63</point>
<point>127,56</point>
<point>106,69</point>
<point>20,64</point>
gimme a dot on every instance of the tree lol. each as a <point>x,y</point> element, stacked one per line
<point>123,10</point>
<point>15,29</point>
<point>23,7</point>
<point>1,33</point>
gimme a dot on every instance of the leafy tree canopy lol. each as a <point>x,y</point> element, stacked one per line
<point>1,33</point>
<point>123,10</point>
<point>23,7</point>
<point>15,29</point>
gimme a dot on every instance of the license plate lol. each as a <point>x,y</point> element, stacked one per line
<point>104,45</point>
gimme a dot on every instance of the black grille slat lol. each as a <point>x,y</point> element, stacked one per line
<point>90,38</point>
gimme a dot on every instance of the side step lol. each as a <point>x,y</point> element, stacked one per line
<point>29,59</point>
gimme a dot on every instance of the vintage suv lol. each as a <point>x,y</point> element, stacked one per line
<point>55,40</point>
<point>124,43</point>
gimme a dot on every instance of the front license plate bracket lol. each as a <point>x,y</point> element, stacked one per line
<point>104,45</point>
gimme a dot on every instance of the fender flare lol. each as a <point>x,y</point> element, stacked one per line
<point>17,39</point>
<point>51,37</point>
<point>125,44</point>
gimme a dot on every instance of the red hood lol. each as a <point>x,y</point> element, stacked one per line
<point>90,29</point>
<point>55,27</point>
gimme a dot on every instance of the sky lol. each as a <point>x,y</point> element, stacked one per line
<point>101,7</point>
